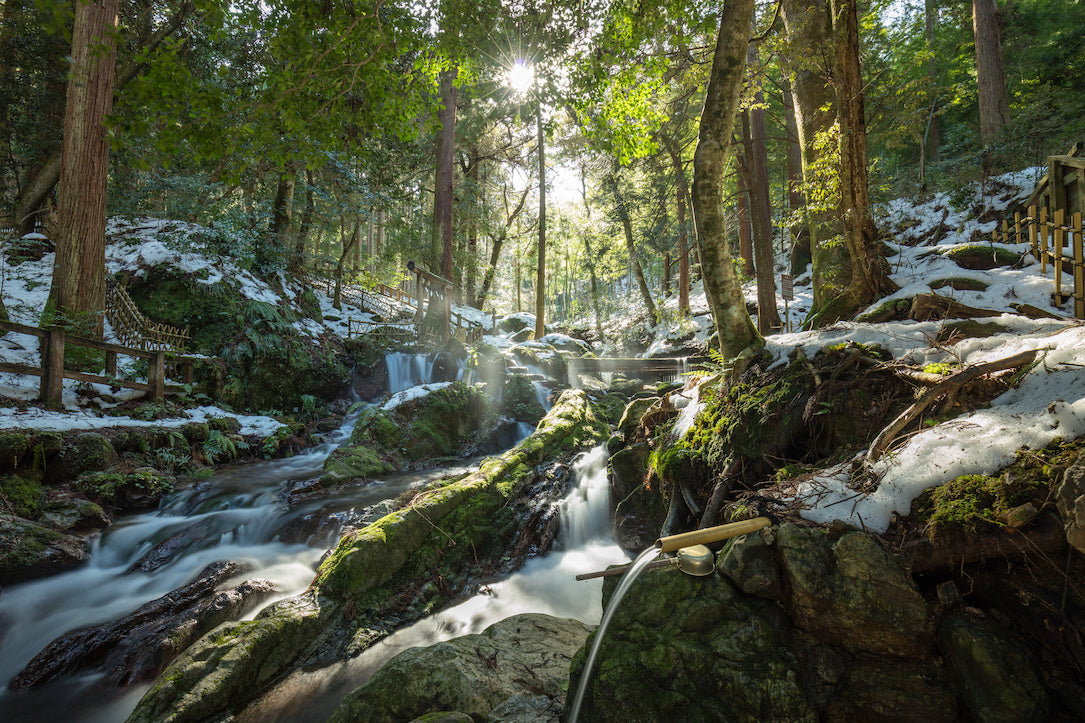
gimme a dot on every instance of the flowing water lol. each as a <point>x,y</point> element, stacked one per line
<point>238,514</point>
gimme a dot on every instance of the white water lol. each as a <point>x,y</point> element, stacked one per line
<point>545,584</point>
<point>407,370</point>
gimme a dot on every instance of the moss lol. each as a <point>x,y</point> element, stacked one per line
<point>960,283</point>
<point>941,368</point>
<point>22,495</point>
<point>13,447</point>
<point>126,487</point>
<point>887,310</point>
<point>982,256</point>
<point>975,503</point>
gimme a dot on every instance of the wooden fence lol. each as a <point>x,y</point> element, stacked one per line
<point>1056,240</point>
<point>136,330</point>
<point>53,373</point>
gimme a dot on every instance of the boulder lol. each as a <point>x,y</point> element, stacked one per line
<point>88,452</point>
<point>851,593</point>
<point>29,550</point>
<point>993,671</point>
<point>69,513</point>
<point>749,562</point>
<point>685,648</point>
<point>519,400</point>
<point>474,674</point>
<point>1070,498</point>
<point>13,448</point>
<point>893,689</point>
<point>137,489</point>
<point>634,412</point>
<point>138,646</point>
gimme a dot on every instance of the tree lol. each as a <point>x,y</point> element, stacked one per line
<point>627,229</point>
<point>735,330</point>
<point>990,75</point>
<point>77,295</point>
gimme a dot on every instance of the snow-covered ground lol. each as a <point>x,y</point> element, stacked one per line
<point>1049,402</point>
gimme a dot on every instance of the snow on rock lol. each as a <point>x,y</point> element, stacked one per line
<point>413,393</point>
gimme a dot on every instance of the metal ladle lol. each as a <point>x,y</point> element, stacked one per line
<point>696,560</point>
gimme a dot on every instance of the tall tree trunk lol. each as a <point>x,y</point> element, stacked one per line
<point>282,213</point>
<point>809,35</point>
<point>735,330</point>
<point>441,242</point>
<point>634,262</point>
<point>800,233</point>
<point>742,221</point>
<point>77,295</point>
<point>868,270</point>
<point>511,216</point>
<point>306,224</point>
<point>934,135</point>
<point>681,204</point>
<point>540,269</point>
<point>990,75</point>
<point>472,231</point>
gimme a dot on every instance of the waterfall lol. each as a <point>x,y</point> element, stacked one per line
<point>407,370</point>
<point>585,513</point>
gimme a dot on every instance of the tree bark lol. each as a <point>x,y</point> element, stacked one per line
<point>933,141</point>
<point>540,270</point>
<point>800,233</point>
<point>735,330</point>
<point>77,296</point>
<point>681,204</point>
<point>634,262</point>
<point>742,218</point>
<point>990,75</point>
<point>306,224</point>
<point>499,242</point>
<point>441,241</point>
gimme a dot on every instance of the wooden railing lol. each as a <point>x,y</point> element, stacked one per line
<point>52,372</point>
<point>1056,241</point>
<point>136,330</point>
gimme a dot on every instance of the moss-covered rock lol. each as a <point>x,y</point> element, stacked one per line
<point>632,415</point>
<point>29,550</point>
<point>21,495</point>
<point>852,593</point>
<point>691,649</point>
<point>13,449</point>
<point>519,401</point>
<point>136,489</point>
<point>69,513</point>
<point>354,462</point>
<point>982,256</point>
<point>473,673</point>
<point>894,689</point>
<point>88,452</point>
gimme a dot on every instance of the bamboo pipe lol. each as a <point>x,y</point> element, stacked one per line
<point>712,534</point>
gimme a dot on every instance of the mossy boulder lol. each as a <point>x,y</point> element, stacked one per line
<point>140,488</point>
<point>447,421</point>
<point>69,513</point>
<point>88,452</point>
<point>22,495</point>
<point>894,689</point>
<point>850,592</point>
<point>632,415</point>
<point>13,449</point>
<point>685,648</point>
<point>473,673</point>
<point>29,550</point>
<point>982,256</point>
<point>519,400</point>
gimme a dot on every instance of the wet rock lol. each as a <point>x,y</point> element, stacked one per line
<point>749,562</point>
<point>29,550</point>
<point>138,646</point>
<point>1070,497</point>
<point>852,593</point>
<point>69,513</point>
<point>474,674</point>
<point>892,689</point>
<point>640,511</point>
<point>993,671</point>
<point>685,648</point>
<point>167,550</point>
<point>634,412</point>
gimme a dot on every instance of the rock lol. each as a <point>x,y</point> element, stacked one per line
<point>474,674</point>
<point>13,448</point>
<point>890,689</point>
<point>444,717</point>
<point>1070,498</point>
<point>993,671</point>
<point>519,401</point>
<point>88,452</point>
<point>140,488</point>
<point>69,513</point>
<point>852,593</point>
<point>168,549</point>
<point>681,648</point>
<point>29,550</point>
<point>526,709</point>
<point>748,561</point>
<point>640,511</point>
<point>634,411</point>
<point>22,495</point>
<point>138,646</point>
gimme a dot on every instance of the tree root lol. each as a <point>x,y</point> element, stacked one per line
<point>950,387</point>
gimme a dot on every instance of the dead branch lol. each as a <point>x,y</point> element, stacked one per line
<point>950,386</point>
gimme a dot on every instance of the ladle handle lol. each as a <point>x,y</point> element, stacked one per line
<point>711,534</point>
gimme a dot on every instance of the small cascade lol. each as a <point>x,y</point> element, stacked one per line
<point>407,370</point>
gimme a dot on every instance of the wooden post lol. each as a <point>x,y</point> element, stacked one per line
<point>186,365</point>
<point>1032,222</point>
<point>1017,227</point>
<point>156,376</point>
<point>1043,240</point>
<point>111,363</point>
<point>1057,241</point>
<point>52,367</point>
<point>1079,268</point>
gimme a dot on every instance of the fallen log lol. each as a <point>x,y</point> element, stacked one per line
<point>934,307</point>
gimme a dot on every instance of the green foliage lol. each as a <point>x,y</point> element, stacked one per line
<point>220,447</point>
<point>21,496</point>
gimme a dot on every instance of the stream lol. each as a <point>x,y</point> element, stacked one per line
<point>238,514</point>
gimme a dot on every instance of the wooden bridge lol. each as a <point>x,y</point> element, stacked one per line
<point>663,368</point>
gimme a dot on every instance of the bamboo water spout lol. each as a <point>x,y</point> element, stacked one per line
<point>711,534</point>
